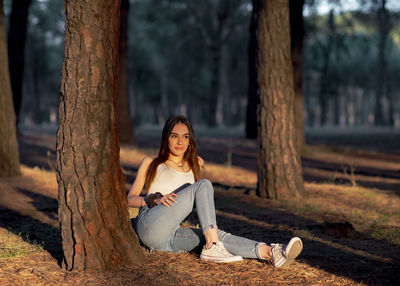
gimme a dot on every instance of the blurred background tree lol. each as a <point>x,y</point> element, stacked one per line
<point>191,57</point>
<point>9,154</point>
<point>16,47</point>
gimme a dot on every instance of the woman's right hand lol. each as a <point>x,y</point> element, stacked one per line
<point>167,200</point>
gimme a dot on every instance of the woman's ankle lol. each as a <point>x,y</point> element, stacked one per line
<point>211,236</point>
<point>265,251</point>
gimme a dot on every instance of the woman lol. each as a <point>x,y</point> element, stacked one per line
<point>174,184</point>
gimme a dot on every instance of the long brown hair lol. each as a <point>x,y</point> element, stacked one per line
<point>191,155</point>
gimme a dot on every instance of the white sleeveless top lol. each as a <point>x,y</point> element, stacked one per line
<point>168,180</point>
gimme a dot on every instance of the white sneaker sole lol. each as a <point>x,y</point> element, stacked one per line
<point>221,259</point>
<point>292,250</point>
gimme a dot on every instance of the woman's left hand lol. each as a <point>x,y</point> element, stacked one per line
<point>167,200</point>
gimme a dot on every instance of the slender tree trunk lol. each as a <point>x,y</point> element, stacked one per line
<point>253,99</point>
<point>336,110</point>
<point>16,49</point>
<point>224,92</point>
<point>164,97</point>
<point>215,84</point>
<point>279,166</point>
<point>383,27</point>
<point>358,107</point>
<point>392,104</point>
<point>37,115</point>
<point>124,114</point>
<point>9,155</point>
<point>324,81</point>
<point>93,211</point>
<point>296,35</point>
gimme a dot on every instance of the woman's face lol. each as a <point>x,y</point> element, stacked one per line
<point>178,140</point>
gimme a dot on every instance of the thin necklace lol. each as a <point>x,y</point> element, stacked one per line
<point>180,164</point>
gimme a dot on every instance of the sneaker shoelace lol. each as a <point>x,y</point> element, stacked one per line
<point>277,251</point>
<point>219,247</point>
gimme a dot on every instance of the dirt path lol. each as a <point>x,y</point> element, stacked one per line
<point>28,207</point>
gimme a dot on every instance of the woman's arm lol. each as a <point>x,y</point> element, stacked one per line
<point>201,161</point>
<point>202,169</point>
<point>134,198</point>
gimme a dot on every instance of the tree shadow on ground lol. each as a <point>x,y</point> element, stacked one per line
<point>41,203</point>
<point>363,259</point>
<point>315,170</point>
<point>373,141</point>
<point>32,230</point>
<point>34,154</point>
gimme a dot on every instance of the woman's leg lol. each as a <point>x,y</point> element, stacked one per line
<point>156,226</point>
<point>242,246</point>
<point>186,239</point>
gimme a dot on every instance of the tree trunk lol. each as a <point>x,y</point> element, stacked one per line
<point>279,166</point>
<point>324,78</point>
<point>16,49</point>
<point>384,28</point>
<point>125,123</point>
<point>296,35</point>
<point>223,100</point>
<point>164,97</point>
<point>253,99</point>
<point>215,84</point>
<point>392,104</point>
<point>37,114</point>
<point>9,155</point>
<point>336,110</point>
<point>93,211</point>
<point>310,107</point>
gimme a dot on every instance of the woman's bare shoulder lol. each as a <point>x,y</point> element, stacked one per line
<point>146,161</point>
<point>201,161</point>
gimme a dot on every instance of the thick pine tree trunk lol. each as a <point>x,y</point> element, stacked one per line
<point>9,155</point>
<point>279,166</point>
<point>93,211</point>
<point>125,123</point>
<point>296,35</point>
<point>16,49</point>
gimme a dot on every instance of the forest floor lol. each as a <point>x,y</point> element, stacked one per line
<point>348,218</point>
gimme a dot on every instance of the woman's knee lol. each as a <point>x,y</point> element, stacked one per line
<point>205,184</point>
<point>152,239</point>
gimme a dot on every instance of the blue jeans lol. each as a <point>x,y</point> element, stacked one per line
<point>159,227</point>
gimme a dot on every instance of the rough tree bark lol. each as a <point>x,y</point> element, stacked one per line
<point>9,155</point>
<point>125,124</point>
<point>296,36</point>
<point>279,166</point>
<point>16,49</point>
<point>93,211</point>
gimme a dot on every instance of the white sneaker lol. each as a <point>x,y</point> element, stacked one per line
<point>218,253</point>
<point>284,254</point>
